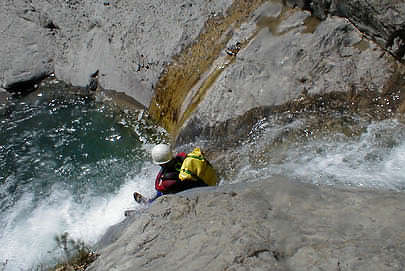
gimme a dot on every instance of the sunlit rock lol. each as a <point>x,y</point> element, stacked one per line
<point>290,57</point>
<point>275,224</point>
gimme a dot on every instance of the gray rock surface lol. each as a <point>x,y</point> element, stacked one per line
<point>27,50</point>
<point>277,56</point>
<point>128,42</point>
<point>383,21</point>
<point>273,224</point>
<point>131,44</point>
<point>289,55</point>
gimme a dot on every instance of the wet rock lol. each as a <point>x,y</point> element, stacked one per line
<point>233,49</point>
<point>292,56</point>
<point>198,66</point>
<point>132,45</point>
<point>383,21</point>
<point>276,224</point>
<point>93,81</point>
<point>4,96</point>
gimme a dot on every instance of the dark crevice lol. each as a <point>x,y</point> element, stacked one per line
<point>396,41</point>
<point>25,87</point>
<point>278,255</point>
<point>307,5</point>
<point>51,26</point>
<point>364,19</point>
<point>257,252</point>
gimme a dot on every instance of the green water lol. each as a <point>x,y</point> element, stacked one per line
<point>64,160</point>
<point>75,142</point>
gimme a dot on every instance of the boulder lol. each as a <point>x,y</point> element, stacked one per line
<point>27,50</point>
<point>274,224</point>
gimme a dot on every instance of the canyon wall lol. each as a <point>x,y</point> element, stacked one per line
<point>188,57</point>
<point>210,70</point>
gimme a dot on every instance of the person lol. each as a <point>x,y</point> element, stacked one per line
<point>167,180</point>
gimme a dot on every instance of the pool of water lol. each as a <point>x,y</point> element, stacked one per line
<point>67,164</point>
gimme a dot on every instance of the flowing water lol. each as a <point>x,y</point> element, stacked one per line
<point>365,153</point>
<point>67,164</point>
<point>70,164</point>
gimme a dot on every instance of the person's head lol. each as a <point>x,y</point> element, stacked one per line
<point>161,154</point>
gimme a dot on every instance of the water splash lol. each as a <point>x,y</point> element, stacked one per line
<point>374,159</point>
<point>28,233</point>
<point>68,164</point>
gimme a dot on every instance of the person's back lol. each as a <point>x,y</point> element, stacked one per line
<point>167,181</point>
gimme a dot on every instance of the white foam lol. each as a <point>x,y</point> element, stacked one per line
<point>29,235</point>
<point>376,159</point>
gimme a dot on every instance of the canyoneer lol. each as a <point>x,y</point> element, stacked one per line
<point>180,172</point>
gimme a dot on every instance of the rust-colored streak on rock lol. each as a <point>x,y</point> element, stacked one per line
<point>188,67</point>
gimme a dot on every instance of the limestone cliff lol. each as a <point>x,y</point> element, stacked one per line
<point>188,57</point>
<point>212,70</point>
<point>286,57</point>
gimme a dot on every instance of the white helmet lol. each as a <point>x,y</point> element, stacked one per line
<point>161,154</point>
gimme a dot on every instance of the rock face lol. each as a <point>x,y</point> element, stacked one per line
<point>289,55</point>
<point>27,49</point>
<point>383,21</point>
<point>272,225</point>
<point>128,42</point>
<point>208,69</point>
<point>133,45</point>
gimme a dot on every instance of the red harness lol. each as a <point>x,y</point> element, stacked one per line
<point>168,177</point>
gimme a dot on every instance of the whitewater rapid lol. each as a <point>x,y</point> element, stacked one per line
<point>28,237</point>
<point>68,164</point>
<point>375,159</point>
<point>77,174</point>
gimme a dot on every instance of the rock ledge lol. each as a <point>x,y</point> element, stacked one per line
<point>274,224</point>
